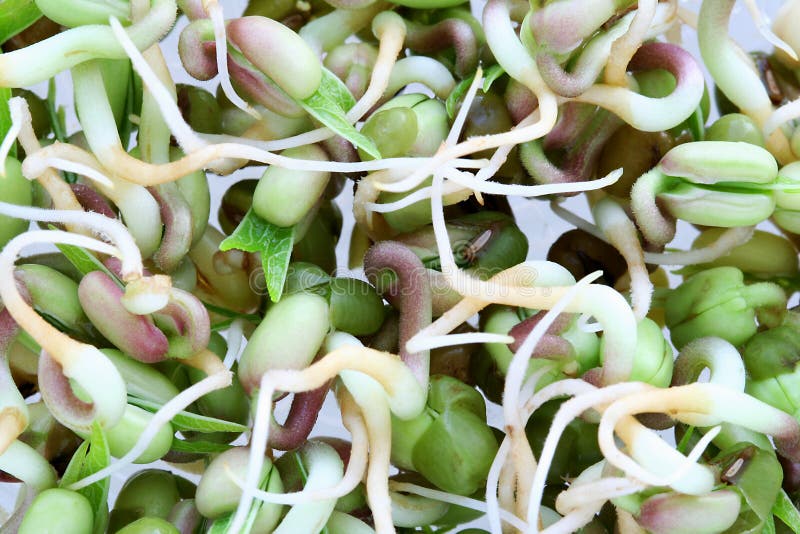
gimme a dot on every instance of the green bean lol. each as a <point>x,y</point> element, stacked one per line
<point>58,510</point>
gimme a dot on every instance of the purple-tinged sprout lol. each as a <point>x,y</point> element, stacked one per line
<point>582,151</point>
<point>135,335</point>
<point>653,114</point>
<point>399,275</point>
<point>177,218</point>
<point>279,53</point>
<point>674,513</point>
<point>585,69</point>
<point>657,225</point>
<point>676,184</point>
<point>13,410</point>
<point>196,49</point>
<point>520,101</point>
<point>451,32</point>
<point>563,25</point>
<point>302,416</point>
<point>551,345</point>
<point>185,320</point>
<point>185,516</point>
<point>91,200</point>
<point>57,392</point>
<point>261,89</point>
<point>193,9</point>
<point>352,63</point>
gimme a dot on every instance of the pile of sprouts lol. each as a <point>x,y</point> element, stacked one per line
<point>629,382</point>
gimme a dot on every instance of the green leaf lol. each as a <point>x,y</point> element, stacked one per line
<point>329,105</point>
<point>225,312</point>
<point>769,526</point>
<point>275,244</point>
<point>92,456</point>
<point>336,90</point>
<point>785,510</point>
<point>16,16</point>
<point>491,75</point>
<point>187,421</point>
<point>199,447</point>
<point>455,95</point>
<point>84,261</point>
<point>5,116</point>
<point>57,122</point>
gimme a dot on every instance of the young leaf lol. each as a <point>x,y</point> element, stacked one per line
<point>329,104</point>
<point>92,456</point>
<point>5,116</point>
<point>191,421</point>
<point>785,510</point>
<point>58,123</point>
<point>85,262</point>
<point>16,16</point>
<point>198,447</point>
<point>491,75</point>
<point>275,244</point>
<point>455,95</point>
<point>336,90</point>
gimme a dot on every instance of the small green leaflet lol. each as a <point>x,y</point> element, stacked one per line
<point>83,261</point>
<point>92,456</point>
<point>198,447</point>
<point>769,526</point>
<point>489,77</point>
<point>187,421</point>
<point>327,105</point>
<point>785,510</point>
<point>275,244</point>
<point>58,122</point>
<point>336,90</point>
<point>16,16</point>
<point>5,117</point>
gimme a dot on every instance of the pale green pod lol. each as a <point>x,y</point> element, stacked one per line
<point>717,208</point>
<point>787,219</point>
<point>218,495</point>
<point>710,162</point>
<point>284,196</point>
<point>58,511</point>
<point>288,337</point>
<point>789,198</point>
